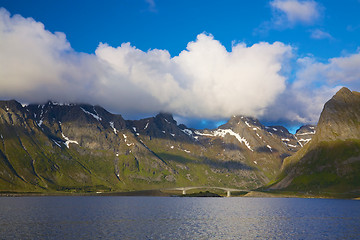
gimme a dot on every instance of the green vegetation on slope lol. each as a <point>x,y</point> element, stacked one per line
<point>331,167</point>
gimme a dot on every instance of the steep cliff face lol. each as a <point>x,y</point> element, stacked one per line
<point>340,117</point>
<point>330,162</point>
<point>79,147</point>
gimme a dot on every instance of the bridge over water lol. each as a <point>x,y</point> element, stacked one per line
<point>227,190</point>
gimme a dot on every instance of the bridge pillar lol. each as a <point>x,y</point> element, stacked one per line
<point>228,193</point>
<point>184,191</point>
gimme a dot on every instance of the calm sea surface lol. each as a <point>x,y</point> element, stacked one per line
<point>177,218</point>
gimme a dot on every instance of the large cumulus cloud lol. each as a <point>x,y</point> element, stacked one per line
<point>205,80</point>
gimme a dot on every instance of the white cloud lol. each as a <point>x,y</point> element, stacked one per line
<point>315,84</point>
<point>300,104</point>
<point>319,34</point>
<point>35,62</point>
<point>288,13</point>
<point>205,80</point>
<point>341,70</point>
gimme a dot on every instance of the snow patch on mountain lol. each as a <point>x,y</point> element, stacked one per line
<point>223,132</point>
<point>113,127</point>
<point>40,122</point>
<point>56,143</point>
<point>306,133</point>
<point>97,117</point>
<point>68,141</point>
<point>305,140</point>
<point>188,131</point>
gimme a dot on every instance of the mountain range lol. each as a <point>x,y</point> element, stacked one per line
<point>79,147</point>
<point>56,147</point>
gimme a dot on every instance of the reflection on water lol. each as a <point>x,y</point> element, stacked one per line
<point>177,218</point>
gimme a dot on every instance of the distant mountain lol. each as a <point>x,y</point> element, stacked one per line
<point>330,163</point>
<point>81,148</point>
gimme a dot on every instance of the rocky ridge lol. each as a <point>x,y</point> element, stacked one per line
<point>79,147</point>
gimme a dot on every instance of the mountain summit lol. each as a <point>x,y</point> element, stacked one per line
<point>340,117</point>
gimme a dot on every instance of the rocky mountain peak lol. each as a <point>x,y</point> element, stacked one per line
<point>340,117</point>
<point>161,126</point>
<point>240,121</point>
<point>305,133</point>
<point>167,117</point>
<point>343,93</point>
<point>344,97</point>
<point>278,130</point>
<point>306,129</point>
<point>10,104</point>
<point>12,112</point>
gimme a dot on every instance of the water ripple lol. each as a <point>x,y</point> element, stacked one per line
<point>177,218</point>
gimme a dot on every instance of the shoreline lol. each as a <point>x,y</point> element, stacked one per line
<point>163,193</point>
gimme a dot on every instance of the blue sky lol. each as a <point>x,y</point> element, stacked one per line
<point>172,24</point>
<point>276,60</point>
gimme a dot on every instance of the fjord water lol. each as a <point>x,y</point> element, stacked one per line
<point>177,218</point>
